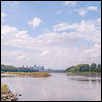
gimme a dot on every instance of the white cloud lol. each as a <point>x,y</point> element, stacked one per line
<point>15,57</point>
<point>46,53</point>
<point>83,11</point>
<point>98,21</point>
<point>70,3</point>
<point>36,21</point>
<point>95,51</point>
<point>64,26</point>
<point>10,36</point>
<point>21,57</point>
<point>58,12</point>
<point>90,30</point>
<point>71,11</point>
<point>3,14</point>
<point>60,25</point>
<point>55,47</point>
<point>46,30</point>
<point>66,56</point>
<point>82,60</point>
<point>96,47</point>
<point>14,3</point>
<point>92,8</point>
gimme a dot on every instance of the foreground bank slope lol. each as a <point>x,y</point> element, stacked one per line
<point>6,94</point>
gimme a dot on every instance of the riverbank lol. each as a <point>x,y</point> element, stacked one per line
<point>6,94</point>
<point>32,74</point>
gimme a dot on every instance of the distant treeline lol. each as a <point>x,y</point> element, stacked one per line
<point>9,68</point>
<point>84,68</point>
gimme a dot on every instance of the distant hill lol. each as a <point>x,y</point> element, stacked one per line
<point>84,68</point>
<point>9,68</point>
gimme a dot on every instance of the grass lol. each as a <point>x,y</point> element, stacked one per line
<point>2,71</point>
<point>30,73</point>
<point>4,88</point>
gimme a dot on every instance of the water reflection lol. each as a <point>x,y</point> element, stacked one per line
<point>58,87</point>
<point>94,77</point>
<point>7,75</point>
<point>85,74</point>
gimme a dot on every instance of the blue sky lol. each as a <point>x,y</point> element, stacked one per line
<point>53,34</point>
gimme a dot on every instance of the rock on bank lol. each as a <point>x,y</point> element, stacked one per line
<point>8,96</point>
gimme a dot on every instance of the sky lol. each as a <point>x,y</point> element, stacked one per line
<point>53,34</point>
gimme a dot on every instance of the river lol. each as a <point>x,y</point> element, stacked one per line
<point>58,87</point>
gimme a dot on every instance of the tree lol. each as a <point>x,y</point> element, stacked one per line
<point>84,68</point>
<point>92,68</point>
<point>99,68</point>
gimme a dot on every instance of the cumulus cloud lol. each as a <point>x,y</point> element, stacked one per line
<point>84,10</point>
<point>92,8</point>
<point>65,56</point>
<point>98,21</point>
<point>82,27</point>
<point>95,51</point>
<point>36,21</point>
<point>70,3</point>
<point>64,26</point>
<point>90,30</point>
<point>55,48</point>
<point>10,36</point>
<point>45,53</point>
<point>15,57</point>
<point>2,16</point>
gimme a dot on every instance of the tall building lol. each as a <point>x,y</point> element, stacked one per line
<point>23,66</point>
<point>35,67</point>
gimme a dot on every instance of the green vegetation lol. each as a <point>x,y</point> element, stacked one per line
<point>21,71</point>
<point>29,73</point>
<point>9,68</point>
<point>84,68</point>
<point>2,72</point>
<point>4,88</point>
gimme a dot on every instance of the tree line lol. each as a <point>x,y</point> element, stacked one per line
<point>84,68</point>
<point>9,68</point>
